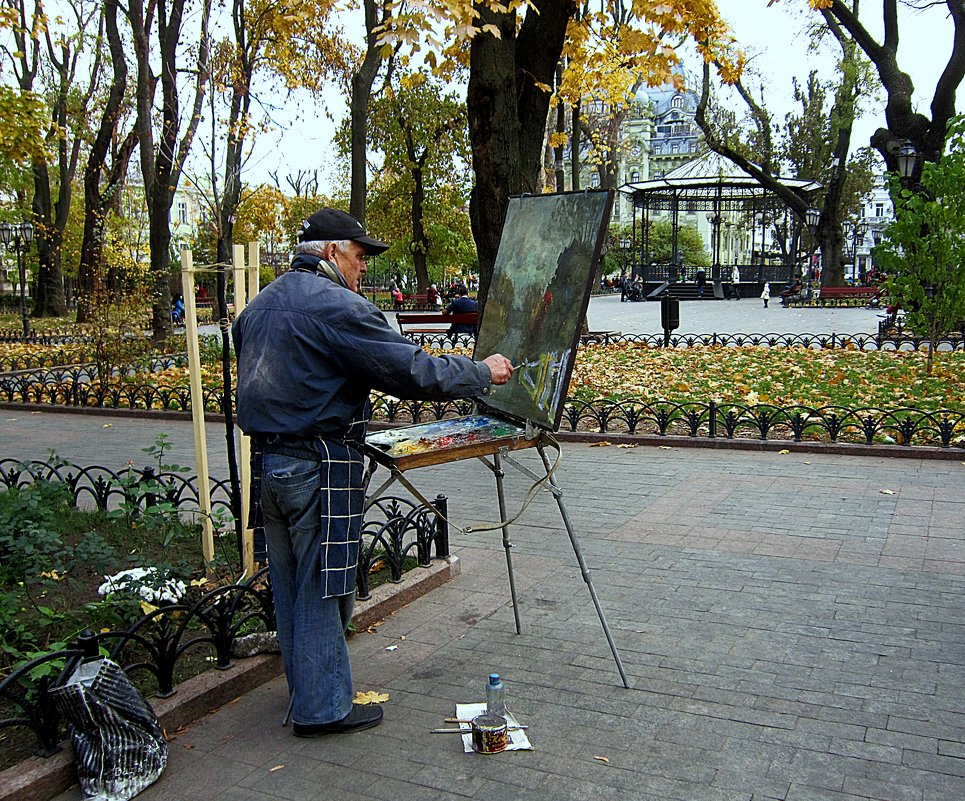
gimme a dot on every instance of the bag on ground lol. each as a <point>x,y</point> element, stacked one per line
<point>119,745</point>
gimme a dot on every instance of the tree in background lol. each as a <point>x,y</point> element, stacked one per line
<point>377,14</point>
<point>273,45</point>
<point>813,144</point>
<point>165,129</point>
<point>512,65</point>
<point>104,173</point>
<point>924,247</point>
<point>421,131</point>
<point>62,61</point>
<point>904,121</point>
<point>689,241</point>
<point>260,216</point>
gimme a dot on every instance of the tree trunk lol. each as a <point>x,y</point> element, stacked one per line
<point>96,201</point>
<point>161,164</point>
<point>362,82</point>
<point>49,298</point>
<point>508,113</point>
<point>903,122</point>
<point>420,242</point>
<point>576,143</point>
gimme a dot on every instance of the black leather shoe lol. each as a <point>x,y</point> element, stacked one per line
<point>362,716</point>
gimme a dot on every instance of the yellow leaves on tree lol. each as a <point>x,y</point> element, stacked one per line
<point>23,126</point>
<point>609,53</point>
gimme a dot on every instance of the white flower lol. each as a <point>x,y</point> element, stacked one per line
<point>148,583</point>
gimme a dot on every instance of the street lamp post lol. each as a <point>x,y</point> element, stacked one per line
<point>18,238</point>
<point>857,231</point>
<point>715,220</point>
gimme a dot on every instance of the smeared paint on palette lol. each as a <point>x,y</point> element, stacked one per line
<point>442,434</point>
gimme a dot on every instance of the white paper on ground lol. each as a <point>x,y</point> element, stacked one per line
<point>518,741</point>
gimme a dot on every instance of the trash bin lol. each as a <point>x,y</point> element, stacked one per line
<point>669,317</point>
<point>119,745</point>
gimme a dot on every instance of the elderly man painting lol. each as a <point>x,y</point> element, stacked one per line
<point>310,349</point>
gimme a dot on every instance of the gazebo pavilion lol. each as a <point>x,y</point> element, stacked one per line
<point>734,202</point>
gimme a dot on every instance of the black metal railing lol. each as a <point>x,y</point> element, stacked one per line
<point>71,386</point>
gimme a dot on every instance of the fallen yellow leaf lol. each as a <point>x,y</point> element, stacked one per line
<point>277,767</point>
<point>147,608</point>
<point>887,492</point>
<point>665,448</point>
<point>107,425</point>
<point>601,759</point>
<point>199,582</point>
<point>371,697</point>
<point>51,574</point>
<point>626,446</point>
<point>784,451</point>
<point>603,444</point>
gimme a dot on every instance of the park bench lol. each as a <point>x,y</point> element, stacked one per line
<point>432,322</point>
<point>849,293</point>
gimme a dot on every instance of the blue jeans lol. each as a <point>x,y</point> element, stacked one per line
<point>311,628</point>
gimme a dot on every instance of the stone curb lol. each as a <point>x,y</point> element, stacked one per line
<point>38,779</point>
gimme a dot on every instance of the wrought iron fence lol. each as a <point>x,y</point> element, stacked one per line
<point>154,646</point>
<point>71,386</point>
<point>880,341</point>
<point>832,424</point>
<point>64,336</point>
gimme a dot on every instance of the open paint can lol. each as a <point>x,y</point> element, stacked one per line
<point>489,734</point>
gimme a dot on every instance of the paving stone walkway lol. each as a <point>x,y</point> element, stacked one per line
<point>793,626</point>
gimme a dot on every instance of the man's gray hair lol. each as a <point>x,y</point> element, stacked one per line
<point>318,246</point>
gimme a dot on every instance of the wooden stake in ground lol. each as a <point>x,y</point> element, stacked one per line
<point>197,404</point>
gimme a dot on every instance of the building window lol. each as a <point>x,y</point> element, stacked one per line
<point>595,180</point>
<point>182,212</point>
<point>879,209</point>
<point>677,102</point>
<point>675,147</point>
<point>634,176</point>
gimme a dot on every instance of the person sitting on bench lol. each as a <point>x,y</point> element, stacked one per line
<point>463,304</point>
<point>791,289</point>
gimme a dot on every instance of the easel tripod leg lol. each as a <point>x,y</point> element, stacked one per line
<point>507,545</point>
<point>558,494</point>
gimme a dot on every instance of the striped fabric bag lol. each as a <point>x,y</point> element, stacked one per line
<point>119,746</point>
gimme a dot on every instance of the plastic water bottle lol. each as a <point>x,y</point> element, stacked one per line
<point>495,696</point>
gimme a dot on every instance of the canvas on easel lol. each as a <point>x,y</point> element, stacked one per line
<point>542,278</point>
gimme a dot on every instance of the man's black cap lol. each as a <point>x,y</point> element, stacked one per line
<point>332,225</point>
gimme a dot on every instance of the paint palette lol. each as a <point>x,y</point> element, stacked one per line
<point>446,440</point>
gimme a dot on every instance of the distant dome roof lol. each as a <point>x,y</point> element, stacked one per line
<point>710,170</point>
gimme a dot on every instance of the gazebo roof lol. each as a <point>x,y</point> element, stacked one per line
<point>713,172</point>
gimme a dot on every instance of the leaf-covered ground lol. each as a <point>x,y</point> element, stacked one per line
<point>747,375</point>
<point>778,376</point>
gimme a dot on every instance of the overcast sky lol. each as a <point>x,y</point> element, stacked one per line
<point>772,37</point>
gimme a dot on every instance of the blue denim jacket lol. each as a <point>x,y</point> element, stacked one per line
<point>309,352</point>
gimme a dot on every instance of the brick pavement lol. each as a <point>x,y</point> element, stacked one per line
<point>792,625</point>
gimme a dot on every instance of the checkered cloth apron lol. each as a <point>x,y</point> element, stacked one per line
<point>342,499</point>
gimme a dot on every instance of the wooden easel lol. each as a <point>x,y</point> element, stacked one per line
<point>499,450</point>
